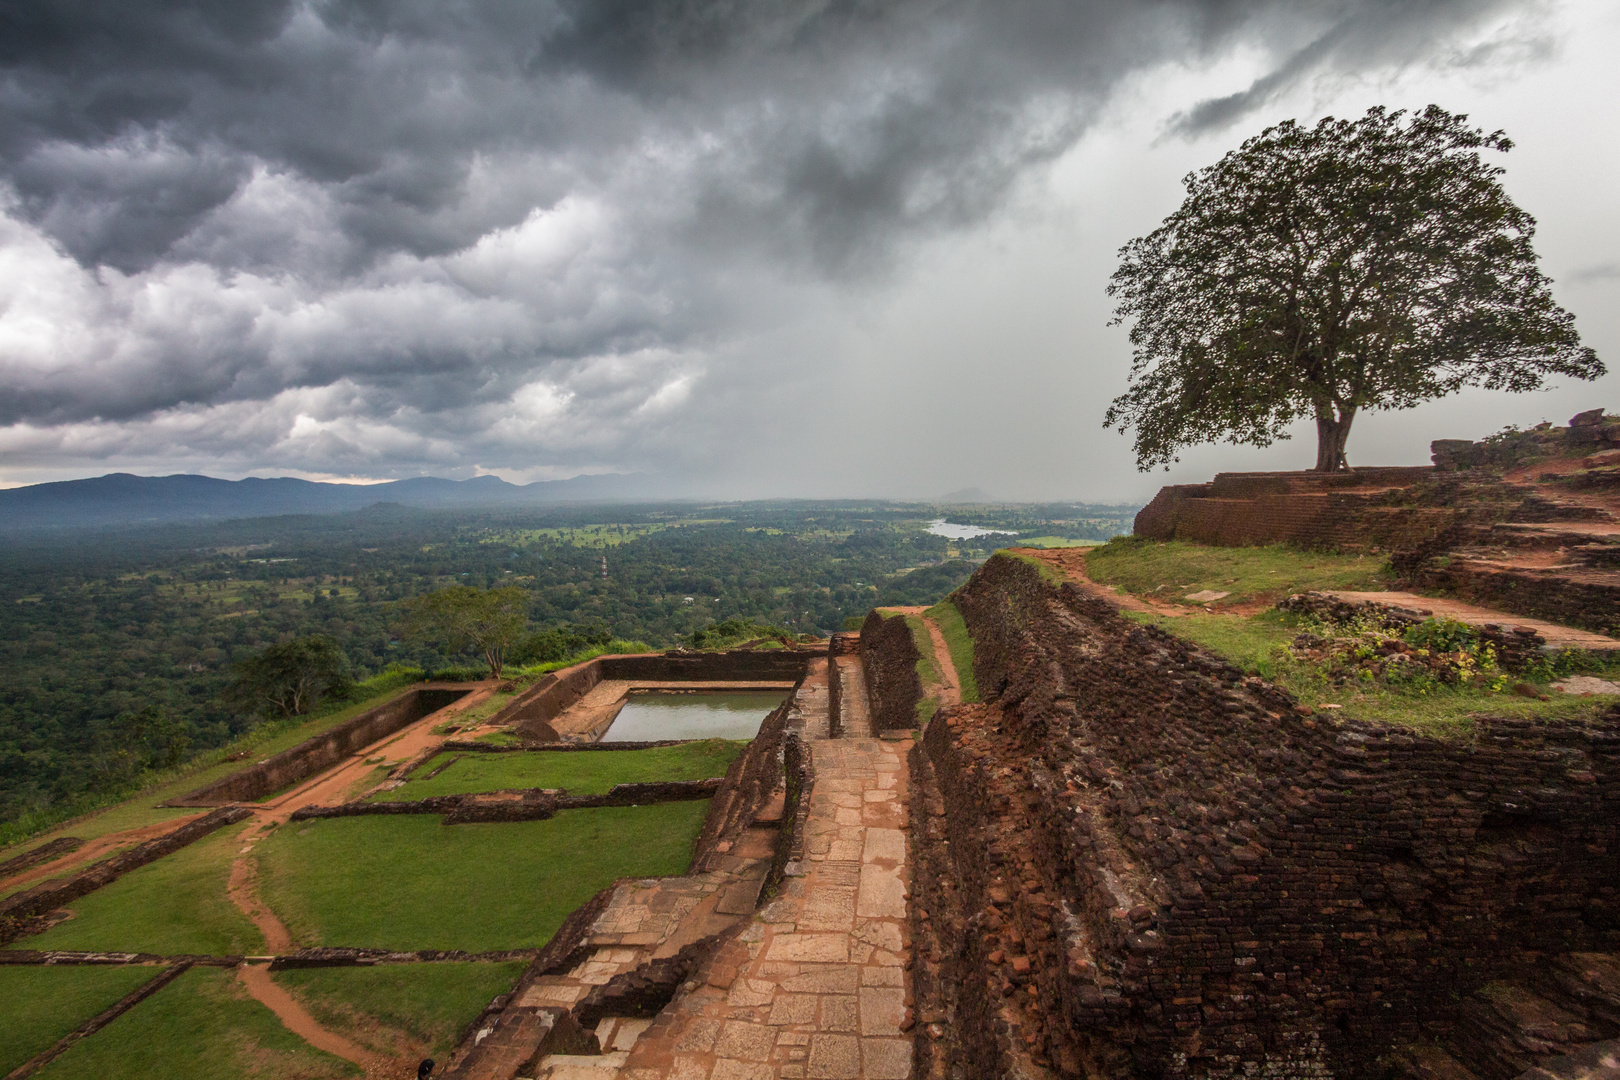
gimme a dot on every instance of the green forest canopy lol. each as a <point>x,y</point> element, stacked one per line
<point>151,623</point>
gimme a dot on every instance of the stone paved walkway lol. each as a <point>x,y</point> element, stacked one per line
<point>815,986</point>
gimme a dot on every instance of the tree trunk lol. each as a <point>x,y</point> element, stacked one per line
<point>1331,435</point>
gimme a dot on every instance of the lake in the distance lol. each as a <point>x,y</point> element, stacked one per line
<point>733,714</point>
<point>962,532</point>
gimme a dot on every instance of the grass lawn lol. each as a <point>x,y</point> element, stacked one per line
<point>1172,569</point>
<point>928,672</point>
<point>431,1003</point>
<point>1056,542</point>
<point>42,1004</point>
<point>202,1026</point>
<point>175,905</point>
<point>1257,645</point>
<point>410,882</point>
<point>485,709</point>
<point>960,644</point>
<point>269,739</point>
<point>582,772</point>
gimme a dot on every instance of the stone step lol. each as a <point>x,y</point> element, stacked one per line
<point>581,1066</point>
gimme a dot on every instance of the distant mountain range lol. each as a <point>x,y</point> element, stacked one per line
<point>125,499</point>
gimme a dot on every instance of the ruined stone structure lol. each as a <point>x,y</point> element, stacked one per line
<point>892,684</point>
<point>321,752</point>
<point>1133,861</point>
<point>1527,523</point>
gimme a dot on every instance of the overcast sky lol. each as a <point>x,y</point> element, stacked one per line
<point>765,247</point>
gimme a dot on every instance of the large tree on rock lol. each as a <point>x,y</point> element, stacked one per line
<point>1319,272</point>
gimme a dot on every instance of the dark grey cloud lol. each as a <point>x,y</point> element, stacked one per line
<point>438,229</point>
<point>1362,37</point>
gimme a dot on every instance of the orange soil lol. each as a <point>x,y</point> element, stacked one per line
<point>325,789</point>
<point>950,689</point>
<point>265,990</point>
<point>95,849</point>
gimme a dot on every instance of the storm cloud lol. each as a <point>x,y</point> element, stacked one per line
<point>385,237</point>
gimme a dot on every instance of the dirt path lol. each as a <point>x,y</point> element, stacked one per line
<point>327,788</point>
<point>1563,637</point>
<point>950,689</point>
<point>93,850</point>
<point>269,993</point>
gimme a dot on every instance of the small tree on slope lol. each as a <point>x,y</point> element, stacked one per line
<point>461,617</point>
<point>291,678</point>
<point>1368,264</point>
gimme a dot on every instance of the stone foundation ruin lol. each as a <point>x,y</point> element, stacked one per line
<point>1524,522</point>
<point>1134,861</point>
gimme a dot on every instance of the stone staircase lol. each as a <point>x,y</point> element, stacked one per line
<point>1526,545</point>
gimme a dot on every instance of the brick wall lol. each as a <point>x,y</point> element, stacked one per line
<point>1342,511</point>
<point>325,750</point>
<point>889,658</point>
<point>1198,880</point>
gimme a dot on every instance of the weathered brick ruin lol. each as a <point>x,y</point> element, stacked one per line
<point>1133,861</point>
<point>321,752</point>
<point>1527,523</point>
<point>892,684</point>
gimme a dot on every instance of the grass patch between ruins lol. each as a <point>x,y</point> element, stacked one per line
<point>960,645</point>
<point>43,1004</point>
<point>177,904</point>
<point>430,1003</point>
<point>581,772</point>
<point>1171,570</point>
<point>411,882</point>
<point>202,1026</point>
<point>1260,645</point>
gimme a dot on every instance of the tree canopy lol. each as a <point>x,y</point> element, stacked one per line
<point>290,678</point>
<point>462,617</point>
<point>1322,271</point>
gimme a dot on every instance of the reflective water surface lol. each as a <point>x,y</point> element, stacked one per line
<point>729,714</point>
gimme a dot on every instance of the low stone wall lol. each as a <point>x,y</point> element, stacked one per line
<point>1572,600</point>
<point>70,958</point>
<point>521,804</point>
<point>326,956</point>
<point>62,845</point>
<point>50,895</point>
<point>321,752</point>
<point>101,1020</point>
<point>889,657</point>
<point>458,745</point>
<point>1158,867</point>
<point>531,713</point>
<point>1516,647</point>
<point>749,784</point>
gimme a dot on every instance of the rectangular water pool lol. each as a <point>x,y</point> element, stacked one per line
<point>725,714</point>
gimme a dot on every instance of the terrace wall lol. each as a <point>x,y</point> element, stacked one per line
<point>1199,879</point>
<point>1343,511</point>
<point>321,752</point>
<point>889,657</point>
<point>533,710</point>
